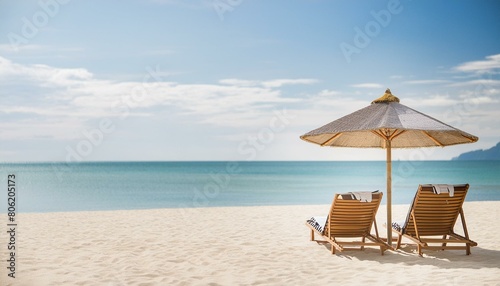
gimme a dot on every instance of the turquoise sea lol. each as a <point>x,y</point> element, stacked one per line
<point>54,187</point>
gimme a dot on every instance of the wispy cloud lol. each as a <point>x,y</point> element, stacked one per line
<point>275,83</point>
<point>30,48</point>
<point>492,62</point>
<point>480,100</point>
<point>333,102</point>
<point>284,81</point>
<point>426,81</point>
<point>8,48</point>
<point>397,76</point>
<point>328,93</point>
<point>42,74</point>
<point>238,82</point>
<point>445,100</point>
<point>432,101</point>
<point>477,83</point>
<point>368,85</point>
<point>61,93</point>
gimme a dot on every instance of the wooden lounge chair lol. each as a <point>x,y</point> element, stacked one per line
<point>349,217</point>
<point>432,216</point>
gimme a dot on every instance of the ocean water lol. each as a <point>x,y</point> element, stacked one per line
<point>54,187</point>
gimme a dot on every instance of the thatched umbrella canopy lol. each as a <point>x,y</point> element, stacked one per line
<point>387,124</point>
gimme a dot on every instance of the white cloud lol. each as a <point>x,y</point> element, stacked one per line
<point>328,93</point>
<point>7,48</point>
<point>60,94</point>
<point>427,81</point>
<point>368,85</point>
<point>433,101</point>
<point>238,82</point>
<point>327,105</point>
<point>397,76</point>
<point>43,74</point>
<point>445,101</point>
<point>38,50</point>
<point>282,82</point>
<point>488,92</point>
<point>491,62</point>
<point>477,83</point>
<point>480,100</point>
<point>275,83</point>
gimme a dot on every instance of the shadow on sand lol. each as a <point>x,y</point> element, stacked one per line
<point>408,255</point>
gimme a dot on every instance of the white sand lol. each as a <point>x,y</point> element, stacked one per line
<point>232,246</point>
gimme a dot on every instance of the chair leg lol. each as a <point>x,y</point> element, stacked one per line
<point>467,249</point>
<point>398,244</point>
<point>444,243</point>
<point>419,248</point>
<point>312,235</point>
<point>333,249</point>
<point>363,241</point>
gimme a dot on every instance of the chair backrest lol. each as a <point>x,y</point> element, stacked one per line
<point>435,214</point>
<point>351,217</point>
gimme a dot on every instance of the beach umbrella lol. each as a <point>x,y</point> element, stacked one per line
<point>387,124</point>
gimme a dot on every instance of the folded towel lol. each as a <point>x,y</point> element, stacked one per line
<point>442,188</point>
<point>363,196</point>
<point>318,223</point>
<point>348,196</point>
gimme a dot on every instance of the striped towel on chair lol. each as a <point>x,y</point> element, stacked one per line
<point>318,223</point>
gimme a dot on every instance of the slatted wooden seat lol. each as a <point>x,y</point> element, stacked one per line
<point>350,219</point>
<point>431,220</point>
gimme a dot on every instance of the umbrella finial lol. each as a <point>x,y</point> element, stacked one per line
<point>386,98</point>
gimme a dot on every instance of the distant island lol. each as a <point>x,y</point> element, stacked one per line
<point>490,154</point>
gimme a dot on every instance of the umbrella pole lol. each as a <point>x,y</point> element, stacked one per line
<point>389,192</point>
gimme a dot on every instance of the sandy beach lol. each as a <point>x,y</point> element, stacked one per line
<point>232,246</point>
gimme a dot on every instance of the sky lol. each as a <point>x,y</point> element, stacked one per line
<point>225,80</point>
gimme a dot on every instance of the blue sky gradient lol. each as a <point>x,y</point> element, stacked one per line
<point>236,79</point>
